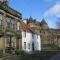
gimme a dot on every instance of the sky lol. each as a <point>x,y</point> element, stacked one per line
<point>38,9</point>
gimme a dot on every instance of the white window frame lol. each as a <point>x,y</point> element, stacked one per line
<point>24,45</point>
<point>24,34</point>
<point>28,45</point>
<point>18,25</point>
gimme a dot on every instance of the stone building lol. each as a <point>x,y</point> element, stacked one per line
<point>49,37</point>
<point>10,34</point>
<point>12,30</point>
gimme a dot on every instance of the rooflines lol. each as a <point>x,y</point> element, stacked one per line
<point>27,28</point>
<point>43,22</point>
<point>10,10</point>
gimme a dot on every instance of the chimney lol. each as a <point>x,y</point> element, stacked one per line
<point>5,2</point>
<point>25,21</point>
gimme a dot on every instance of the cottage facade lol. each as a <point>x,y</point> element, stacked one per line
<point>30,40</point>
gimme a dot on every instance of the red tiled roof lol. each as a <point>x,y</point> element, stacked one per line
<point>27,28</point>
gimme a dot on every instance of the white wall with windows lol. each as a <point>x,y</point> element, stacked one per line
<point>26,41</point>
<point>37,42</point>
<point>30,41</point>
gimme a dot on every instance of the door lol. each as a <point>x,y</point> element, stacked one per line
<point>32,46</point>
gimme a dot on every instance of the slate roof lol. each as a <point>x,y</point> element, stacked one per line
<point>43,22</point>
<point>25,27</point>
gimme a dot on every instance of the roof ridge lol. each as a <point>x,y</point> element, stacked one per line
<point>28,27</point>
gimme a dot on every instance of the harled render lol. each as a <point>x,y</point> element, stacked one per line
<point>15,35</point>
<point>30,40</point>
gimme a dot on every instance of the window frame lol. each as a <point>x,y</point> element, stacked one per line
<point>28,45</point>
<point>32,35</point>
<point>24,45</point>
<point>37,36</point>
<point>18,25</point>
<point>24,33</point>
<point>10,23</point>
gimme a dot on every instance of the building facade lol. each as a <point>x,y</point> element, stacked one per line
<point>10,33</point>
<point>30,40</point>
<point>15,35</point>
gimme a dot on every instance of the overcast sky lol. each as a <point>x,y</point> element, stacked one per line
<point>38,9</point>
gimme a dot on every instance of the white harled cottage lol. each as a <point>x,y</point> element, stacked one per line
<point>30,40</point>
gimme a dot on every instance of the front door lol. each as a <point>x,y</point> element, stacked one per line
<point>33,46</point>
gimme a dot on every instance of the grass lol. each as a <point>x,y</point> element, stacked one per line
<point>49,47</point>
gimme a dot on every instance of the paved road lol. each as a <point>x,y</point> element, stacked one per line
<point>56,57</point>
<point>34,57</point>
<point>11,58</point>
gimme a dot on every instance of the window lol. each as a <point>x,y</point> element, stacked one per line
<point>28,45</point>
<point>37,36</point>
<point>8,42</point>
<point>32,35</point>
<point>0,16</point>
<point>24,45</point>
<point>13,41</point>
<point>10,23</point>
<point>0,19</point>
<point>24,33</point>
<point>44,32</point>
<point>40,31</point>
<point>18,26</point>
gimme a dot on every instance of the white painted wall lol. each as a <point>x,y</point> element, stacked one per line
<point>29,39</point>
<point>25,21</point>
<point>26,39</point>
<point>37,42</point>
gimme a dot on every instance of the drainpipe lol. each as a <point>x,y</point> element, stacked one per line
<point>10,44</point>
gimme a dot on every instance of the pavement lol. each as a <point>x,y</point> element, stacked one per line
<point>5,56</point>
<point>10,57</point>
<point>18,57</point>
<point>56,57</point>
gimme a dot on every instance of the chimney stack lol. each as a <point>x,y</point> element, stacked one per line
<point>5,1</point>
<point>25,21</point>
